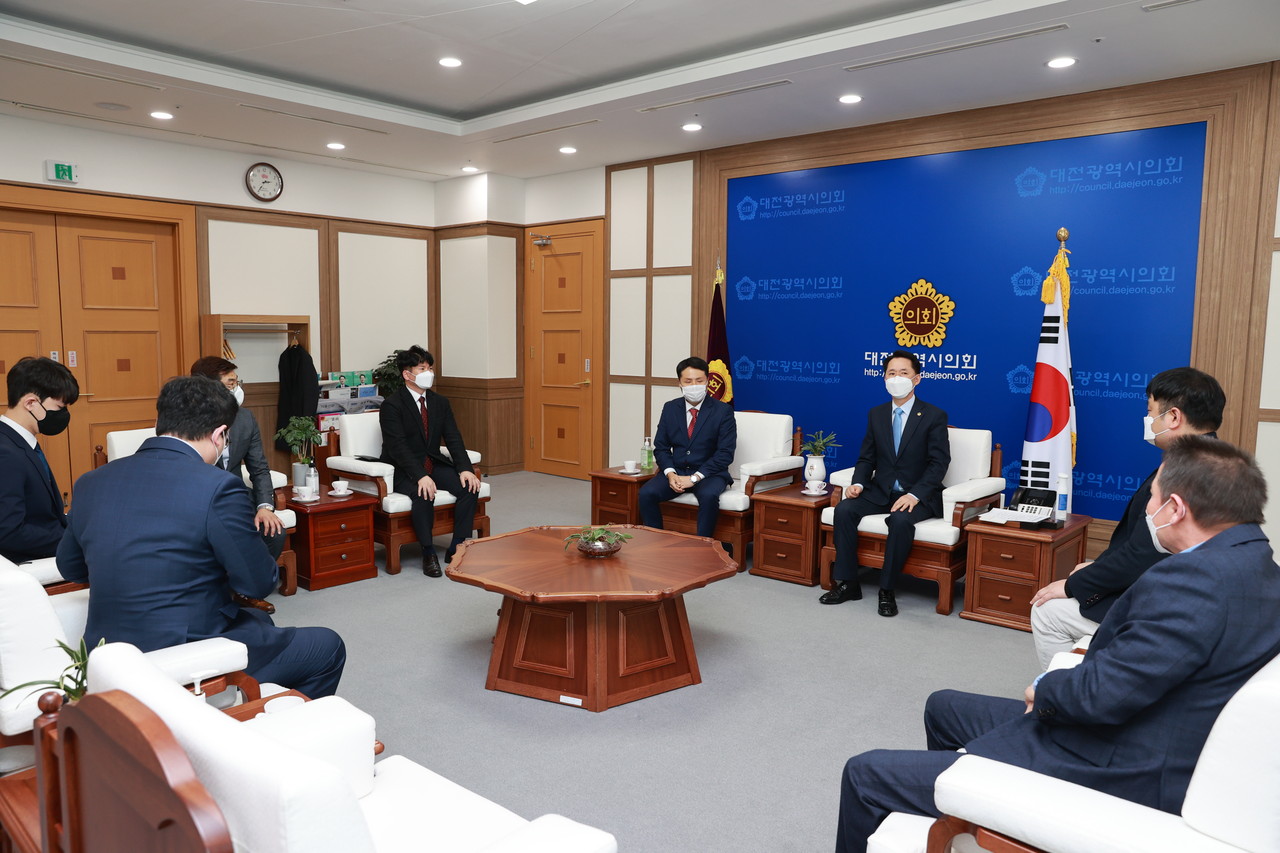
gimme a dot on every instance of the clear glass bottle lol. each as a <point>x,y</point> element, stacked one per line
<point>313,480</point>
<point>646,454</point>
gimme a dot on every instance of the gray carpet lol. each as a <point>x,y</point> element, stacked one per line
<point>748,760</point>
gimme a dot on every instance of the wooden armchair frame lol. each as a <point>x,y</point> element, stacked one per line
<point>737,527</point>
<point>392,530</point>
<point>942,564</point>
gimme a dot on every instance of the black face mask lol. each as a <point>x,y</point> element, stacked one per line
<point>54,422</point>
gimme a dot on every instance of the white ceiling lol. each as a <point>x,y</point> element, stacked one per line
<point>265,76</point>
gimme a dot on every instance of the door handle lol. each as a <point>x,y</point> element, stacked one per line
<point>583,382</point>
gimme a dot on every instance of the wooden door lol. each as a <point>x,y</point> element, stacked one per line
<point>31,321</point>
<point>564,382</point>
<point>119,324</point>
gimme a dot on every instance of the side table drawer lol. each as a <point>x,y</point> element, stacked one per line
<point>610,494</point>
<point>1001,596</point>
<point>776,518</point>
<point>1007,556</point>
<point>342,527</point>
<point>343,556</point>
<point>782,557</point>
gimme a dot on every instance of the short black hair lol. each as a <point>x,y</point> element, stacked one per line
<point>192,407</point>
<point>909,356</point>
<point>412,357</point>
<point>43,377</point>
<point>213,366</point>
<point>1193,392</point>
<point>694,362</point>
<point>1219,482</point>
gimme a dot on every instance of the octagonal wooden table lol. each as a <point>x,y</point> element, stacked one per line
<point>591,632</point>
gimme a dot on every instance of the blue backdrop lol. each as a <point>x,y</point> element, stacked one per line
<point>815,257</point>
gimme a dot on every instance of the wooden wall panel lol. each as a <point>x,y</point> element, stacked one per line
<point>489,413</point>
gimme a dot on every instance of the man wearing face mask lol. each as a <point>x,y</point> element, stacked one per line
<point>415,422</point>
<point>904,456</point>
<point>163,539</point>
<point>32,516</point>
<point>694,446</point>
<point>244,448</point>
<point>1133,717</point>
<point>1180,402</point>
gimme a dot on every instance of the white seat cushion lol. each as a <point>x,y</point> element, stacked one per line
<point>732,498</point>
<point>44,570</point>
<point>933,530</point>
<point>395,502</point>
<point>126,442</point>
<point>909,833</point>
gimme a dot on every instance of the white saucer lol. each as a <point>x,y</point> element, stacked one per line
<point>813,494</point>
<point>306,500</point>
<point>632,473</point>
<point>348,493</point>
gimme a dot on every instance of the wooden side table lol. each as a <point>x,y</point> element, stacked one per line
<point>334,541</point>
<point>786,534</point>
<point>1007,564</point>
<point>615,497</point>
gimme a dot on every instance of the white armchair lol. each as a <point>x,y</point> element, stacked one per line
<point>767,457</point>
<point>31,626</point>
<point>360,445</point>
<point>304,780</point>
<point>972,485</point>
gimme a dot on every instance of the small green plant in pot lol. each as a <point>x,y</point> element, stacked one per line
<point>301,434</point>
<point>72,682</point>
<point>815,468</point>
<point>387,377</point>
<point>597,541</point>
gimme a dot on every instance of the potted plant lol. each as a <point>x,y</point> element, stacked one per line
<point>386,377</point>
<point>597,541</point>
<point>816,444</point>
<point>301,434</point>
<point>73,681</point>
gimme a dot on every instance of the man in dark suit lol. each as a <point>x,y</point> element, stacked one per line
<point>1180,402</point>
<point>244,450</point>
<point>415,422</point>
<point>163,537</point>
<point>694,446</point>
<point>905,454</point>
<point>1132,718</point>
<point>32,516</point>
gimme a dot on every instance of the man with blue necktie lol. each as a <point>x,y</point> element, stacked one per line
<point>694,446</point>
<point>32,515</point>
<point>905,454</point>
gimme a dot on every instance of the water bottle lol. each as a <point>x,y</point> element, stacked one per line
<point>646,454</point>
<point>313,481</point>
<point>1064,488</point>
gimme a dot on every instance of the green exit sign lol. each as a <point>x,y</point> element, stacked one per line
<point>67,173</point>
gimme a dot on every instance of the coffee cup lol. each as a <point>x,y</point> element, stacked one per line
<point>816,485</point>
<point>341,486</point>
<point>282,703</point>
<point>630,465</point>
<point>306,493</point>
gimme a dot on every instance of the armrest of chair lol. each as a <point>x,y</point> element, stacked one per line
<point>552,833</point>
<point>200,660</point>
<point>473,455</point>
<point>330,729</point>
<point>1046,812</point>
<point>45,570</point>
<point>352,465</point>
<point>971,490</point>
<point>771,466</point>
<point>1065,660</point>
<point>842,478</point>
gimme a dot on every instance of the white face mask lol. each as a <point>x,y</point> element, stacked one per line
<point>238,393</point>
<point>1152,527</point>
<point>424,379</point>
<point>694,394</point>
<point>898,386</point>
<point>1147,435</point>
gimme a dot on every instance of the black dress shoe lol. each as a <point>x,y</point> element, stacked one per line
<point>840,593</point>
<point>888,604</point>
<point>430,564</point>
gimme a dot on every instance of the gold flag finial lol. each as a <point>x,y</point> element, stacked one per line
<point>1058,277</point>
<point>1063,235</point>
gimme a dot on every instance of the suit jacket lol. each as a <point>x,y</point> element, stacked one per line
<point>163,539</point>
<point>32,516</point>
<point>299,388</point>
<point>406,446</point>
<point>709,451</point>
<point>923,456</point>
<point>1132,718</point>
<point>244,448</point>
<point>1129,553</point>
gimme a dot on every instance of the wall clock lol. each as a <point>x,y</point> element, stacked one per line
<point>264,181</point>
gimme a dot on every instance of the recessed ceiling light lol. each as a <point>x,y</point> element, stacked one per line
<point>526,2</point>
<point>850,99</point>
<point>691,126</point>
<point>568,149</point>
<point>162,115</point>
<point>451,62</point>
<point>110,105</point>
<point>336,146</point>
<point>1061,62</point>
<point>470,169</point>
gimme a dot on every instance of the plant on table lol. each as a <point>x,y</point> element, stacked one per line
<point>73,681</point>
<point>816,443</point>
<point>301,434</point>
<point>597,541</point>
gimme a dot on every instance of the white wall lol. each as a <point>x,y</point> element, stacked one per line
<point>131,165</point>
<point>376,271</point>
<point>571,195</point>
<point>478,307</point>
